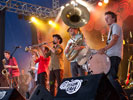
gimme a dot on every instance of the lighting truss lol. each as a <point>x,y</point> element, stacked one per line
<point>55,4</point>
<point>27,9</point>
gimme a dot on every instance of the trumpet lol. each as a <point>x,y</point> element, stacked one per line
<point>29,48</point>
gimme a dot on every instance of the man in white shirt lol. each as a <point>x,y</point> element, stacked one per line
<point>114,49</point>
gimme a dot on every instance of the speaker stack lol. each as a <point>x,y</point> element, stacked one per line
<point>40,93</point>
<point>90,87</point>
<point>10,94</point>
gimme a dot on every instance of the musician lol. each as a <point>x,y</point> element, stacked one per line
<point>56,65</point>
<point>33,73</point>
<point>12,67</point>
<point>75,33</point>
<point>23,82</point>
<point>114,49</point>
<point>43,63</point>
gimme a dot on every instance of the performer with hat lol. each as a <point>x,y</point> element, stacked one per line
<point>76,43</point>
<point>56,66</point>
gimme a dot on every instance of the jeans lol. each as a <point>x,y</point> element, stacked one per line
<point>55,75</point>
<point>77,70</point>
<point>115,61</point>
<point>112,76</point>
<point>42,79</point>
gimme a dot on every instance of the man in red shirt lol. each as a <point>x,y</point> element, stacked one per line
<point>42,67</point>
<point>12,67</point>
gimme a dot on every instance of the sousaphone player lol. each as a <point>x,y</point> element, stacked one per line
<point>75,16</point>
<point>74,45</point>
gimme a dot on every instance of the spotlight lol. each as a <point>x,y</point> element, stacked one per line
<point>100,3</point>
<point>50,22</point>
<point>53,24</point>
<point>106,1</point>
<point>33,19</point>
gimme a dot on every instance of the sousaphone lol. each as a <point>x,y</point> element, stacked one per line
<point>75,15</point>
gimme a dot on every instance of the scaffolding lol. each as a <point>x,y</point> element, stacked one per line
<point>28,9</point>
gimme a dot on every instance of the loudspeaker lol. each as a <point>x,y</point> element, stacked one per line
<point>129,92</point>
<point>41,93</point>
<point>10,94</point>
<point>91,87</point>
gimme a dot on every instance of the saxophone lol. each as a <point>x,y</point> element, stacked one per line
<point>71,55</point>
<point>4,71</point>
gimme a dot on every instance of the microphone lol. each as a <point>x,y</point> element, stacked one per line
<point>18,46</point>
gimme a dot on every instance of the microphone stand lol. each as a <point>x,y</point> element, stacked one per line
<point>11,77</point>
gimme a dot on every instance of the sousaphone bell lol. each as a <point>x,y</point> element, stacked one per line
<point>75,16</point>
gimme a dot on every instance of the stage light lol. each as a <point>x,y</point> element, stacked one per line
<point>33,19</point>
<point>53,24</point>
<point>100,3</point>
<point>50,22</point>
<point>106,1</point>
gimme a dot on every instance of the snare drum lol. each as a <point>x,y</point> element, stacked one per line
<point>99,63</point>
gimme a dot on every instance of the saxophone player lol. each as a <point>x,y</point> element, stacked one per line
<point>75,34</point>
<point>12,67</point>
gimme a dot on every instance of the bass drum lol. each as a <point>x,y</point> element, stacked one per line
<point>99,63</point>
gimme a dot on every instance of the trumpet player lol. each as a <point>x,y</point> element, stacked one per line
<point>43,63</point>
<point>56,65</point>
<point>12,67</point>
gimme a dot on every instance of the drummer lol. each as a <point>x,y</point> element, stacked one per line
<point>114,49</point>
